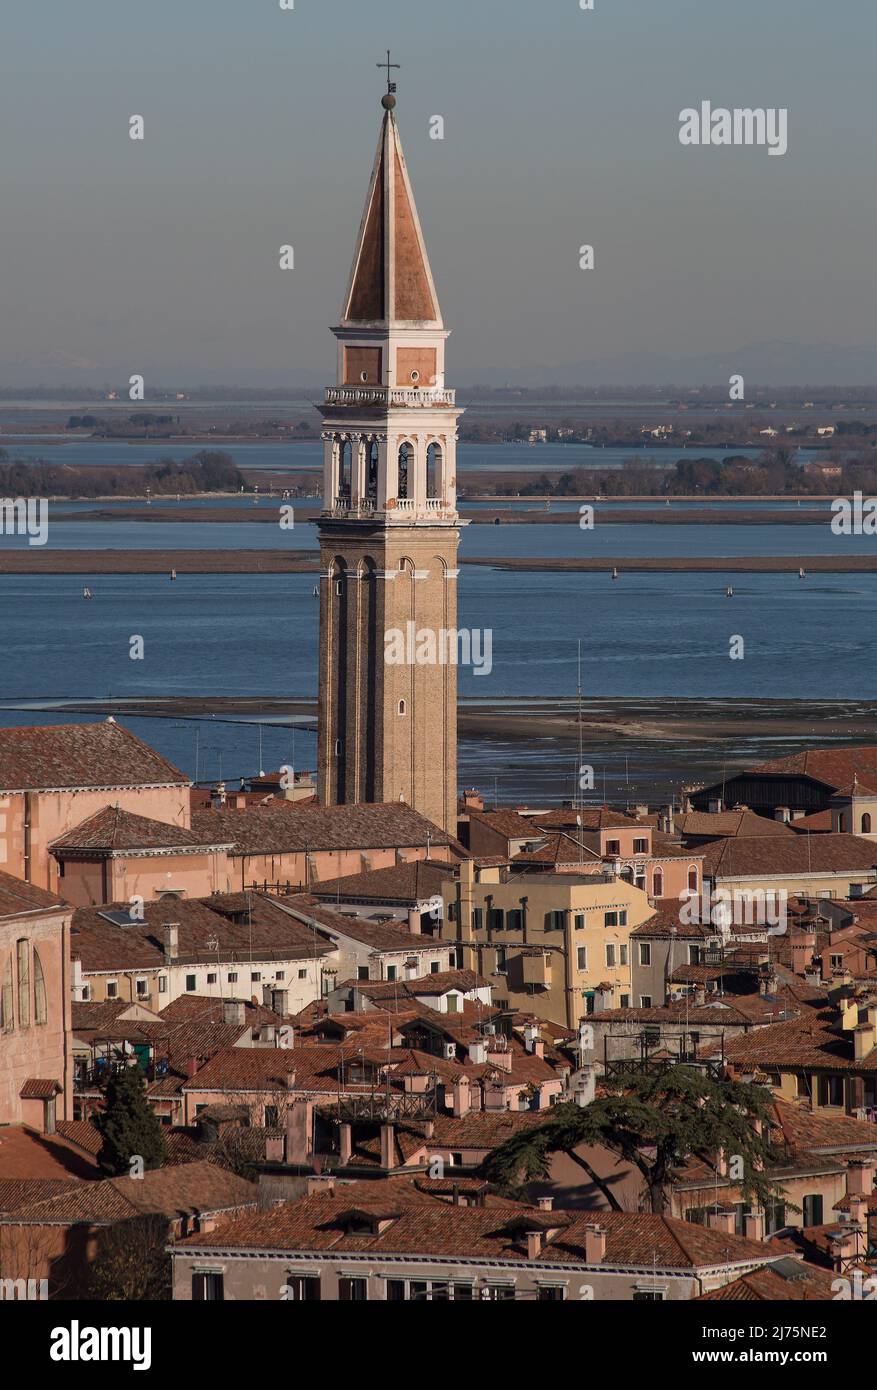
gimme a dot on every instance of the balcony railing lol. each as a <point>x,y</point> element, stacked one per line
<point>418,397</point>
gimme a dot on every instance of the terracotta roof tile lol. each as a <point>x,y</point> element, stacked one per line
<point>104,755</point>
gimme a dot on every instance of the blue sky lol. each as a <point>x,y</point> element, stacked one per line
<point>561,128</point>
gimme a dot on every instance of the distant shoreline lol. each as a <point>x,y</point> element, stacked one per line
<point>38,560</point>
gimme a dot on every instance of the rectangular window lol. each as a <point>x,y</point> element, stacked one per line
<point>232,977</point>
<point>514,919</point>
<point>279,974</point>
<point>451,912</point>
<point>391,972</point>
<point>211,977</point>
<point>622,917</point>
<point>496,919</point>
<point>645,1001</point>
<point>498,1293</point>
<point>831,1090</point>
<point>645,953</point>
<point>208,1288</point>
<point>624,1001</point>
<point>303,974</point>
<point>554,921</point>
<point>613,846</point>
<point>501,960</point>
<point>640,846</point>
<point>551,1293</point>
<point>272,1116</point>
<point>191,982</point>
<point>162,984</point>
<point>112,989</point>
<point>303,1288</point>
<point>648,1296</point>
<point>395,1290</point>
<point>610,919</point>
<point>694,955</point>
<point>142,988</point>
<point>477,918</point>
<point>435,967</point>
<point>813,1209</point>
<point>352,1290</point>
<point>579,921</point>
<point>255,976</point>
<point>610,954</point>
<point>362,972</point>
<point>622,955</point>
<point>582,957</point>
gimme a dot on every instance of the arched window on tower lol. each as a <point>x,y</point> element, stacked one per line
<point>866,824</point>
<point>433,470</point>
<point>406,470</point>
<point>658,884</point>
<point>7,1019</point>
<point>39,989</point>
<point>371,470</point>
<point>692,879</point>
<point>22,952</point>
<point>344,469</point>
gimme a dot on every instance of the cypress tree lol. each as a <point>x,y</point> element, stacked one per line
<point>129,1126</point>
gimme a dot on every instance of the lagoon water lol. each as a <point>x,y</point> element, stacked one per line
<point>643,635</point>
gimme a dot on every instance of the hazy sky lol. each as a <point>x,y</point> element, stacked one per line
<point>561,128</point>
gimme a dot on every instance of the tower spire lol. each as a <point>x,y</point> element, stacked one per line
<point>390,280</point>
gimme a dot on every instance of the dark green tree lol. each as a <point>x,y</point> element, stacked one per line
<point>128,1126</point>
<point>655,1121</point>
<point>131,1263</point>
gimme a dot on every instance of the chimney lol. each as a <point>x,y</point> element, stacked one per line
<point>595,1244</point>
<point>462,1097</point>
<point>864,1040</point>
<point>723,1220</point>
<point>299,1132</point>
<point>473,800</point>
<point>753,1225</point>
<point>803,944</point>
<point>860,1177</point>
<point>534,1244</point>
<point>274,1148</point>
<point>77,981</point>
<point>388,1147</point>
<point>192,1067</point>
<point>233,1011</point>
<point>502,1059</point>
<point>414,923</point>
<point>478,1052</point>
<point>429,1128</point>
<point>171,935</point>
<point>585,1085</point>
<point>699,996</point>
<point>858,1210</point>
<point>345,1144</point>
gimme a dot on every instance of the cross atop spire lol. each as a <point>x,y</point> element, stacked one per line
<point>391,86</point>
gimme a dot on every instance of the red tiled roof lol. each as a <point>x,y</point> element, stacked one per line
<point>426,1228</point>
<point>114,830</point>
<point>288,827</point>
<point>17,898</point>
<point>806,1284</point>
<point>723,824</point>
<point>179,1190</point>
<point>104,755</point>
<point>834,766</point>
<point>39,1088</point>
<point>245,926</point>
<point>794,854</point>
<point>410,883</point>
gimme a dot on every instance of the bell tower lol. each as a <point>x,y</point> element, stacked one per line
<point>389,528</point>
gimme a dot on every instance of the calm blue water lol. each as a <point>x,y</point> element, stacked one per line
<point>610,536</point>
<point>660,634</point>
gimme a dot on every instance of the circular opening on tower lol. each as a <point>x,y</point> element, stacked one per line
<point>363,376</point>
<point>415,376</point>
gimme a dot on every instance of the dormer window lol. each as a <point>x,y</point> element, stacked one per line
<point>367,1221</point>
